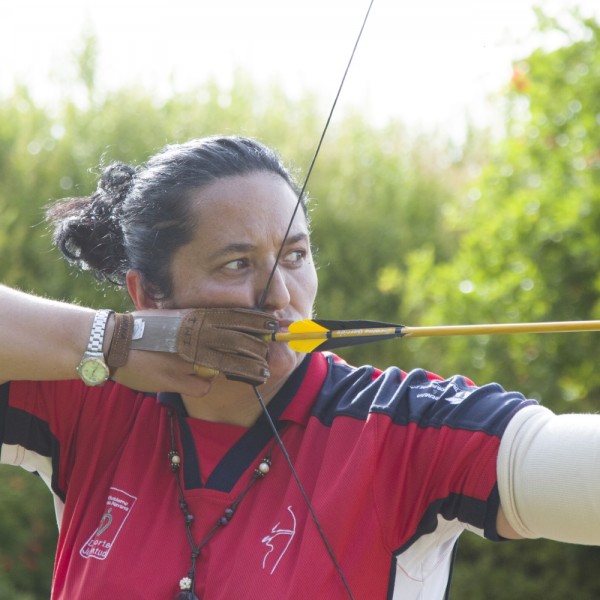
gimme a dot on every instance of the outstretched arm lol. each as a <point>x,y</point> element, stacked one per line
<point>548,477</point>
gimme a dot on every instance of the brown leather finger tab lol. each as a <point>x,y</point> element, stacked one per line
<point>241,357</point>
<point>190,334</point>
<point>249,371</point>
<point>228,340</point>
<point>248,320</point>
<point>249,379</point>
<point>118,352</point>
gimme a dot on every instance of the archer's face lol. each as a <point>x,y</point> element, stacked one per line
<point>242,221</point>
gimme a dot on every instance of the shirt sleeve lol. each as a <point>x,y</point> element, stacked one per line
<point>440,441</point>
<point>45,427</point>
<point>37,424</point>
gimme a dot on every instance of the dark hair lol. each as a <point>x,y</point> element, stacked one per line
<point>139,217</point>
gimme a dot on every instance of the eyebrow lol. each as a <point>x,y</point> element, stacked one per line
<point>242,247</point>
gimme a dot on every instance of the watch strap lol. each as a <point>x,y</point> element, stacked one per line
<point>96,341</point>
<point>92,368</point>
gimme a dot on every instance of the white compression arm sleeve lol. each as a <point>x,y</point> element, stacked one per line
<point>549,475</point>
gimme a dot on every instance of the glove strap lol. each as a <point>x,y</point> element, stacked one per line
<point>156,333</point>
<point>121,340</point>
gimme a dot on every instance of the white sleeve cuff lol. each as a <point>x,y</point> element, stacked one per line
<point>549,475</point>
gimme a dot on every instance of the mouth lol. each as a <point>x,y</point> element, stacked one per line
<point>284,324</point>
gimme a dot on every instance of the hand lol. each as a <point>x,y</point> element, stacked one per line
<point>190,347</point>
<point>227,340</point>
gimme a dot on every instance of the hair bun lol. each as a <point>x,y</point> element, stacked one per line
<point>116,181</point>
<point>89,231</point>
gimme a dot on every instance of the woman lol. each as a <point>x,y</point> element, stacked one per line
<point>167,475</point>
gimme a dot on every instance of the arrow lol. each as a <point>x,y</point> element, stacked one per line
<point>309,335</point>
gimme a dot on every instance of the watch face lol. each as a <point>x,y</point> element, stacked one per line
<point>93,371</point>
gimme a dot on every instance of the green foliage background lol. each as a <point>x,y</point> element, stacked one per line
<point>402,234</point>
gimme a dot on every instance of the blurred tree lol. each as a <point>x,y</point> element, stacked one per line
<point>360,187</point>
<point>528,250</point>
<point>399,237</point>
<point>380,196</point>
<point>28,536</point>
<point>531,250</point>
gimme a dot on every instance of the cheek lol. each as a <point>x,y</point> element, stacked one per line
<point>206,293</point>
<point>312,283</point>
<point>302,287</point>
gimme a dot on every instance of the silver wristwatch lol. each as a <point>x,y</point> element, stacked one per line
<point>93,369</point>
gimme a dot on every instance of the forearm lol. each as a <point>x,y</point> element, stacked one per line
<point>40,339</point>
<point>45,340</point>
<point>549,476</point>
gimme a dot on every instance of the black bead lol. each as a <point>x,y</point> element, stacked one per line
<point>229,512</point>
<point>187,595</point>
<point>189,518</point>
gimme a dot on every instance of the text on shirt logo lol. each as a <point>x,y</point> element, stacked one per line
<point>118,508</point>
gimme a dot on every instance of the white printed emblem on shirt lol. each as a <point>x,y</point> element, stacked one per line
<point>118,507</point>
<point>277,543</point>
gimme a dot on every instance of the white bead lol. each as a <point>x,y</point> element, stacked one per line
<point>175,459</point>
<point>185,583</point>
<point>264,468</point>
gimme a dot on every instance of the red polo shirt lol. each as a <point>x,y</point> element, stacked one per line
<point>396,466</point>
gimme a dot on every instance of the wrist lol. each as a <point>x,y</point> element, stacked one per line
<point>92,367</point>
<point>108,333</point>
<point>118,340</point>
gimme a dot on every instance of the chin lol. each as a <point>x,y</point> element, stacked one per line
<point>283,361</point>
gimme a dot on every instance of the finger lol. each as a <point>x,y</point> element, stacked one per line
<point>232,343</point>
<point>205,372</point>
<point>237,344</point>
<point>248,321</point>
<point>250,371</point>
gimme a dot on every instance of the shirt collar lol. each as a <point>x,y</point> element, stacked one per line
<point>293,402</point>
<point>309,378</point>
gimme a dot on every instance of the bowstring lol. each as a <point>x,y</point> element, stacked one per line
<point>263,299</point>
<point>304,495</point>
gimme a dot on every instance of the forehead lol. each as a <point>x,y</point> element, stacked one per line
<point>255,205</point>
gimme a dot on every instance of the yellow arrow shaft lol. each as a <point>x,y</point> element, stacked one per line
<point>501,328</point>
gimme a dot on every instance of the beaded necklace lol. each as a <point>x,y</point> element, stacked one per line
<point>186,584</point>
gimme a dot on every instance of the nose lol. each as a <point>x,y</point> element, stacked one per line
<point>274,293</point>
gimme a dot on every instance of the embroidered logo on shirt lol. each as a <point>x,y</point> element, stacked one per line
<point>277,543</point>
<point>118,507</point>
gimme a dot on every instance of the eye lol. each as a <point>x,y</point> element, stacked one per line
<point>295,257</point>
<point>236,265</point>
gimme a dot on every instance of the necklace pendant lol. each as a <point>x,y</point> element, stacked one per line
<point>174,460</point>
<point>263,468</point>
<point>185,583</point>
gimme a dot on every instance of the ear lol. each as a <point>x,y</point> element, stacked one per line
<point>136,290</point>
